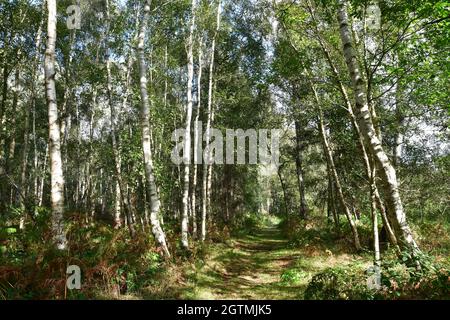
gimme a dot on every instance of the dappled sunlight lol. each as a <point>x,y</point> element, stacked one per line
<point>250,269</point>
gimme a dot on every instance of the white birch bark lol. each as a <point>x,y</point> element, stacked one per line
<point>196,141</point>
<point>56,170</point>
<point>115,149</point>
<point>207,168</point>
<point>350,108</point>
<point>387,172</point>
<point>187,138</point>
<point>151,189</point>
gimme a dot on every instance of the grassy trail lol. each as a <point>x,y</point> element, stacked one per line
<point>262,266</point>
<point>249,267</point>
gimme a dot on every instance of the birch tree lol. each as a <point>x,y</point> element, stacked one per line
<point>333,171</point>
<point>387,172</point>
<point>56,170</point>
<point>151,189</point>
<point>197,140</point>
<point>187,137</point>
<point>206,181</point>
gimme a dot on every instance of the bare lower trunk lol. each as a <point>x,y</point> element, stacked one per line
<point>207,168</point>
<point>197,138</point>
<point>376,241</point>
<point>331,207</point>
<point>12,143</point>
<point>187,138</point>
<point>152,194</point>
<point>43,174</point>
<point>57,179</point>
<point>24,166</point>
<point>120,198</point>
<point>299,167</point>
<point>332,167</point>
<point>387,172</point>
<point>34,78</point>
<point>283,188</point>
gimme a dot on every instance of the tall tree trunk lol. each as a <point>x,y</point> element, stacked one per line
<point>207,168</point>
<point>331,207</point>
<point>120,198</point>
<point>5,76</point>
<point>24,164</point>
<point>43,174</point>
<point>10,163</point>
<point>57,179</point>
<point>197,140</point>
<point>152,194</point>
<point>36,157</point>
<point>187,138</point>
<point>387,172</point>
<point>299,167</point>
<point>34,77</point>
<point>350,108</point>
<point>376,241</point>
<point>330,160</point>
<point>283,187</point>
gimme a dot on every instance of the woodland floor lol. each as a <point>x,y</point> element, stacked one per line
<point>261,265</point>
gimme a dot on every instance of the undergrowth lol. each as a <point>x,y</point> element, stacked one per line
<point>398,280</point>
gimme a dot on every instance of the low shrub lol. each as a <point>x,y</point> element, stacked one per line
<point>397,282</point>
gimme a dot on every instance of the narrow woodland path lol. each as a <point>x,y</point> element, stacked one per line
<point>249,267</point>
<point>260,265</point>
<point>263,265</point>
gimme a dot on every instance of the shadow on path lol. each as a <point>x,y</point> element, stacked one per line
<point>249,268</point>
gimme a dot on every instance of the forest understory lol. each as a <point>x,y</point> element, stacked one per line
<point>224,149</point>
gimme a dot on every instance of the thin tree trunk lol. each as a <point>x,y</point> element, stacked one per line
<point>196,142</point>
<point>330,160</point>
<point>299,167</point>
<point>331,200</point>
<point>119,191</point>
<point>24,164</point>
<point>376,241</point>
<point>36,158</point>
<point>187,138</point>
<point>207,168</point>
<point>5,76</point>
<point>12,144</point>
<point>57,179</point>
<point>67,93</point>
<point>398,147</point>
<point>34,78</point>
<point>152,193</point>
<point>283,187</point>
<point>43,175</point>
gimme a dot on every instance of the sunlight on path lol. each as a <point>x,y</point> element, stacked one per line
<point>249,268</point>
<point>260,266</point>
